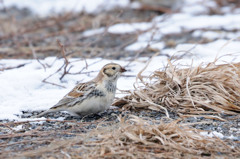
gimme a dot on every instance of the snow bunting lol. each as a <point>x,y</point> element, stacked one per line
<point>91,97</point>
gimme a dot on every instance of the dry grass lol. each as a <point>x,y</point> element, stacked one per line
<point>138,138</point>
<point>209,89</point>
<point>21,34</point>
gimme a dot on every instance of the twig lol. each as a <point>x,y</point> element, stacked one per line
<point>156,8</point>
<point>13,67</point>
<point>188,91</point>
<point>27,142</point>
<point>64,66</point>
<point>83,72</point>
<point>87,65</point>
<point>35,55</point>
<point>52,120</point>
<point>45,79</point>
<point>66,70</point>
<point>9,127</point>
<point>132,76</point>
<point>66,62</point>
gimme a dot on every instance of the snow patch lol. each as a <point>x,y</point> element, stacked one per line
<point>212,134</point>
<point>45,7</point>
<point>129,28</point>
<point>93,32</point>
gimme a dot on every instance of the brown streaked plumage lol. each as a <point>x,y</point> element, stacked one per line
<point>91,97</point>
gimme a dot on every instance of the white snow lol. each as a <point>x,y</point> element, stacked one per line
<point>129,28</point>
<point>198,6</point>
<point>178,23</point>
<point>218,134</point>
<point>93,32</point>
<point>22,89</point>
<point>44,7</point>
<point>182,21</point>
<point>231,137</point>
<point>137,46</point>
<point>187,20</point>
<point>210,50</point>
<point>143,44</point>
<point>212,134</point>
<point>17,128</point>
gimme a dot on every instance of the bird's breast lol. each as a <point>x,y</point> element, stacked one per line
<point>110,87</point>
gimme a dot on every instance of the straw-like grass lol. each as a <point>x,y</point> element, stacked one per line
<point>196,90</point>
<point>138,138</point>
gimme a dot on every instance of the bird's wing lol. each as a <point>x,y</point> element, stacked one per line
<point>77,94</point>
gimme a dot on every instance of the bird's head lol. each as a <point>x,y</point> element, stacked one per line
<point>111,72</point>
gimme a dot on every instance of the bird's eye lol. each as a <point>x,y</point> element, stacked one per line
<point>114,68</point>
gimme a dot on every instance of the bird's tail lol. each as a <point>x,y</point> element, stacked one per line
<point>44,113</point>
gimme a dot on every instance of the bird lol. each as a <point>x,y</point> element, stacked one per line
<point>93,96</point>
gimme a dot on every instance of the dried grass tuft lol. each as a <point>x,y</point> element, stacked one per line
<point>198,90</point>
<point>138,138</point>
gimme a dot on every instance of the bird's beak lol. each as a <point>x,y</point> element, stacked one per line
<point>123,69</point>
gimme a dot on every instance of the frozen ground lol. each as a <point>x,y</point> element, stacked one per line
<point>22,89</point>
